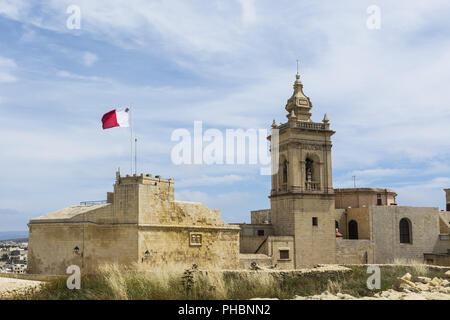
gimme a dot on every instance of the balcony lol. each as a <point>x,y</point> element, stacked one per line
<point>312,186</point>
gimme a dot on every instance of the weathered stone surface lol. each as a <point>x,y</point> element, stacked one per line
<point>142,223</point>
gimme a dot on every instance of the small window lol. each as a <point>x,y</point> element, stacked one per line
<point>315,221</point>
<point>379,200</point>
<point>285,171</point>
<point>284,254</point>
<point>353,230</point>
<point>405,231</point>
<point>260,232</point>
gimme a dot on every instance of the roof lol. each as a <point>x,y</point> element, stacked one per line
<point>68,213</point>
<point>377,190</point>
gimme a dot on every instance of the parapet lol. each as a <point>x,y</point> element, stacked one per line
<point>141,179</point>
<point>163,187</point>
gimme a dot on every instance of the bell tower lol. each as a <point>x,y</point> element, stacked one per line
<point>302,196</point>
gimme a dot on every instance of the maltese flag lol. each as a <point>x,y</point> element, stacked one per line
<point>116,118</point>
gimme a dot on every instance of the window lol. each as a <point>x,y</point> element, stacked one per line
<point>405,231</point>
<point>315,221</point>
<point>353,230</point>
<point>309,169</point>
<point>284,254</point>
<point>260,232</point>
<point>379,200</point>
<point>285,171</point>
<point>448,206</point>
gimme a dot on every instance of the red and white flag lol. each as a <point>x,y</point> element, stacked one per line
<point>116,118</point>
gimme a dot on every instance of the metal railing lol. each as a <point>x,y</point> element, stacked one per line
<point>92,203</point>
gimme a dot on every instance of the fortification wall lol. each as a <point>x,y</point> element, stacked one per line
<point>51,246</point>
<point>205,246</point>
<point>354,251</point>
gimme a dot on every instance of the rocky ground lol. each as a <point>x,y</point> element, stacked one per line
<point>404,289</point>
<point>11,286</point>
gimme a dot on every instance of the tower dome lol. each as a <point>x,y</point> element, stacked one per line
<point>299,102</point>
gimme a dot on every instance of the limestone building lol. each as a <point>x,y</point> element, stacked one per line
<point>140,223</point>
<point>308,223</point>
<point>311,223</point>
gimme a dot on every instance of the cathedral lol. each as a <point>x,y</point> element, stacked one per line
<point>308,223</point>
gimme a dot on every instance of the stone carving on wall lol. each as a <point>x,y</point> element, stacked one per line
<point>195,239</point>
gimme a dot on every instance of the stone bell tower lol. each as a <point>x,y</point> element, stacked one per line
<point>302,197</point>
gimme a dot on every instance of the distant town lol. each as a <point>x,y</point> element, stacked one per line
<point>13,255</point>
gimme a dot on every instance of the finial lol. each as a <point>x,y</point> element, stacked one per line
<point>274,124</point>
<point>297,66</point>
<point>325,119</point>
<point>293,114</point>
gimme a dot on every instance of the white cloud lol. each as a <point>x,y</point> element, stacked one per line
<point>7,66</point>
<point>384,91</point>
<point>248,11</point>
<point>89,59</point>
<point>14,9</point>
<point>205,180</point>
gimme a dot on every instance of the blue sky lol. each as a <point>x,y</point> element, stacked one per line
<point>230,64</point>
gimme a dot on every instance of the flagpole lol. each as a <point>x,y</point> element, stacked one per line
<point>131,140</point>
<point>135,155</point>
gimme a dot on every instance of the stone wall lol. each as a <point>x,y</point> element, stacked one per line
<point>444,221</point>
<point>260,216</point>
<point>386,235</point>
<point>314,244</point>
<point>251,230</point>
<point>443,245</point>
<point>354,251</point>
<point>141,223</point>
<point>361,216</point>
<point>437,259</point>
<point>218,248</point>
<point>261,260</point>
<point>341,218</point>
<point>363,197</point>
<point>275,244</point>
<point>51,246</point>
<point>249,244</point>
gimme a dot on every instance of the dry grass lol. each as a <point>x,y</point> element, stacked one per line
<point>112,282</point>
<point>416,265</point>
<point>334,286</point>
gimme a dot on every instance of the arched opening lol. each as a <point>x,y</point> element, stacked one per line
<point>312,172</point>
<point>353,230</point>
<point>405,231</point>
<point>309,167</point>
<point>285,171</point>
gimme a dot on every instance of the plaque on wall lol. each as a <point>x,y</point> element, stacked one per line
<point>195,239</point>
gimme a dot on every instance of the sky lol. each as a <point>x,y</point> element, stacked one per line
<point>230,64</point>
